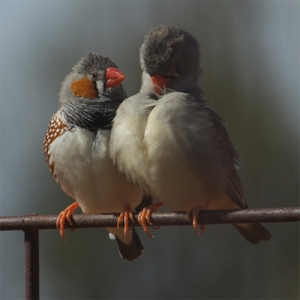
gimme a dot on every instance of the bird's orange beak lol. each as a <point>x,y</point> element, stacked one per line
<point>114,77</point>
<point>159,83</point>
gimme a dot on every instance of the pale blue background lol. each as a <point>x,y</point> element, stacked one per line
<point>250,58</point>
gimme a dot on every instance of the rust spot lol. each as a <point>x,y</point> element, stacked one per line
<point>85,88</point>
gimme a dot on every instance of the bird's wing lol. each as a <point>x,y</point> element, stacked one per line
<point>56,128</point>
<point>230,158</point>
<point>204,143</point>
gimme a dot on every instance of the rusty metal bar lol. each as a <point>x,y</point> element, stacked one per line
<point>31,244</point>
<point>31,224</point>
<point>262,215</point>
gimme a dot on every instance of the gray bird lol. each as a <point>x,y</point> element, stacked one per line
<point>168,141</point>
<point>76,148</point>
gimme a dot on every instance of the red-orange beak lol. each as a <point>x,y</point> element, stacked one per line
<point>159,83</point>
<point>114,77</point>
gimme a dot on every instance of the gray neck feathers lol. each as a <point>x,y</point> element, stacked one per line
<point>92,115</point>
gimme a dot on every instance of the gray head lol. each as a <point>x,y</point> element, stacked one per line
<point>173,54</point>
<point>93,78</point>
<point>92,92</point>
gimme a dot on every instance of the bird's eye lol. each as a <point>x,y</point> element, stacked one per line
<point>93,77</point>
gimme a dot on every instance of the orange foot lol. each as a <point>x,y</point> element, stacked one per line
<point>145,214</point>
<point>195,211</point>
<point>124,217</point>
<point>65,214</point>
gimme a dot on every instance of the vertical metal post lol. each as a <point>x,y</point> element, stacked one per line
<point>31,243</point>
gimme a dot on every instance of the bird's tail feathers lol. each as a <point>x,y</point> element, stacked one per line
<point>133,250</point>
<point>253,232</point>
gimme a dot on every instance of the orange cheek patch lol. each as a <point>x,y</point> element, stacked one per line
<point>85,88</point>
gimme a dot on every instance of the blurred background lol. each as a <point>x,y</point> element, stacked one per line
<point>250,59</point>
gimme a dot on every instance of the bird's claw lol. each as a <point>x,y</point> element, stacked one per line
<point>192,214</point>
<point>124,217</point>
<point>63,216</point>
<point>144,217</point>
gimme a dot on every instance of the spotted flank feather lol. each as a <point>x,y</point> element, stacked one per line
<point>55,129</point>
